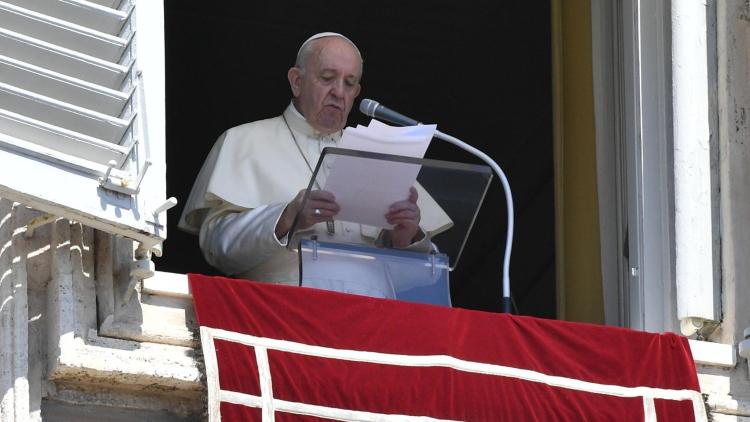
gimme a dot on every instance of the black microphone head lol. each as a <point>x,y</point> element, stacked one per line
<point>368,106</point>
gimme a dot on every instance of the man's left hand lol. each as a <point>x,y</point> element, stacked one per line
<point>405,216</point>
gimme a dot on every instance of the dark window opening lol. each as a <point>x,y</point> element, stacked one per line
<point>480,70</point>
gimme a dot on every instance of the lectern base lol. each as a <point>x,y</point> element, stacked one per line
<point>375,272</point>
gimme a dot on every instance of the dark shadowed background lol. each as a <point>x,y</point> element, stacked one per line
<point>481,70</point>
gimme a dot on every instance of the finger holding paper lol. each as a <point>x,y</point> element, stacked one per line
<point>320,206</point>
<point>404,216</point>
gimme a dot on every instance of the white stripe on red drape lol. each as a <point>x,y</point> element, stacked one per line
<point>269,405</point>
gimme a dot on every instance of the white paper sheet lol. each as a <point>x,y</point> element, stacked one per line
<point>366,188</point>
<point>410,141</point>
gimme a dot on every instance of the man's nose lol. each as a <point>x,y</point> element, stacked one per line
<point>338,88</point>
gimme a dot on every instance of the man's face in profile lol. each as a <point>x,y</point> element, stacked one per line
<point>326,90</point>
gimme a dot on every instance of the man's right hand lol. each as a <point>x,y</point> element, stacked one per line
<point>321,206</point>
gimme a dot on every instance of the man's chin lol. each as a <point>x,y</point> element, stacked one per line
<point>330,123</point>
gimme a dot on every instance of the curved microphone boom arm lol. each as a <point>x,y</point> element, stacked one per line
<point>374,109</point>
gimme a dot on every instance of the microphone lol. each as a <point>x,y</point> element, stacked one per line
<point>374,109</point>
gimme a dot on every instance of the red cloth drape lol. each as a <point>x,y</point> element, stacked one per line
<point>605,356</point>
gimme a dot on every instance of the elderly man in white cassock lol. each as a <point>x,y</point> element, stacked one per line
<point>251,185</point>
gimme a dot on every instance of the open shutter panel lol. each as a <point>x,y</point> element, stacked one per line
<point>82,112</point>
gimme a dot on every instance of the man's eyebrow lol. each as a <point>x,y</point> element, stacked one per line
<point>329,71</point>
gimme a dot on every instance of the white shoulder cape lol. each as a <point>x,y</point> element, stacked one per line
<point>258,163</point>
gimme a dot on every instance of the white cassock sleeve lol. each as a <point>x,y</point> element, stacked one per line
<point>237,242</point>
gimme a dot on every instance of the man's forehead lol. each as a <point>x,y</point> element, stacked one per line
<point>330,58</point>
<point>330,49</point>
<point>335,48</point>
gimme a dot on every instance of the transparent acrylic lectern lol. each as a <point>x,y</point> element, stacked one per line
<point>352,253</point>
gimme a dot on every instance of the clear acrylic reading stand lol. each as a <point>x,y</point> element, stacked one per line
<point>351,254</point>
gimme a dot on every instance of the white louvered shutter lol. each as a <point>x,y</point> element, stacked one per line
<point>82,112</point>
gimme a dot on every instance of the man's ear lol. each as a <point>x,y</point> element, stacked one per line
<point>295,77</point>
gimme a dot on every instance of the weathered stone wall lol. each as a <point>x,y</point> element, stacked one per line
<point>729,387</point>
<point>54,364</point>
